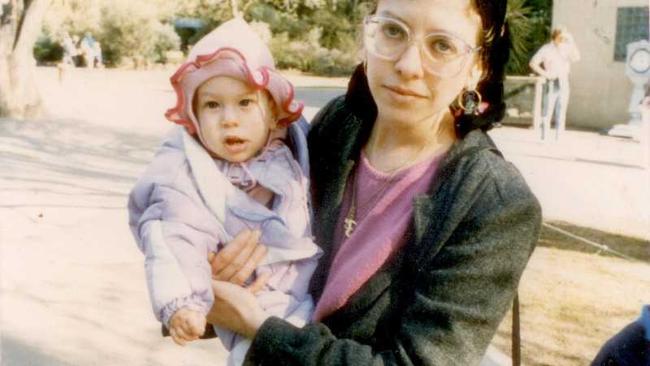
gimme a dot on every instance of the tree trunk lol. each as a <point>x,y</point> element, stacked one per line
<point>234,4</point>
<point>20,25</point>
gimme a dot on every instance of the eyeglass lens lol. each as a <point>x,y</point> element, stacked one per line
<point>389,39</point>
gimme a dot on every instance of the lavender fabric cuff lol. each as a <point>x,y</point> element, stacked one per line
<point>193,302</point>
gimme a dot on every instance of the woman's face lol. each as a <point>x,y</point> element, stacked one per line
<point>413,86</point>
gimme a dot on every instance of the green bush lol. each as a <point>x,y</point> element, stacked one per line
<point>166,39</point>
<point>279,21</point>
<point>289,54</point>
<point>47,50</point>
<point>333,63</point>
<point>130,34</point>
<point>309,56</point>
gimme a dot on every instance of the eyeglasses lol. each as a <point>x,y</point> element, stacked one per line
<point>442,54</point>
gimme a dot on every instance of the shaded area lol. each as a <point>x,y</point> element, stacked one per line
<point>15,353</point>
<point>633,247</point>
<point>583,160</point>
<point>67,162</point>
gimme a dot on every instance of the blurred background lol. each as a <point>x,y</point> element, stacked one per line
<point>83,88</point>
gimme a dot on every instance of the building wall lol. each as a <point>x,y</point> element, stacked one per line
<point>600,91</point>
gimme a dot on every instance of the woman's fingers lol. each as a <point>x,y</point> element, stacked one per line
<point>239,259</point>
<point>259,282</point>
<point>236,308</point>
<point>253,261</point>
<point>219,261</point>
<point>222,263</point>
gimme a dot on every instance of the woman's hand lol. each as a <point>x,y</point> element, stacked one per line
<point>237,261</point>
<point>236,308</point>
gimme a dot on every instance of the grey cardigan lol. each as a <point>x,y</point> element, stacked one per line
<point>441,297</point>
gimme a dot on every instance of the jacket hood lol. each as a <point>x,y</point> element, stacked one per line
<point>233,49</point>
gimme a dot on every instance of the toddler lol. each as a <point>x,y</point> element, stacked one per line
<point>238,162</point>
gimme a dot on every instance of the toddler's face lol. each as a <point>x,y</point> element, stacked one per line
<point>234,119</point>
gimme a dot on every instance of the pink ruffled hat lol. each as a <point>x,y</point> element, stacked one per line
<point>232,49</point>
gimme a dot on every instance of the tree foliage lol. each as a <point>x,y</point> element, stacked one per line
<point>295,23</point>
<point>129,32</point>
<point>319,36</point>
<point>530,22</point>
<point>126,29</point>
<point>311,35</point>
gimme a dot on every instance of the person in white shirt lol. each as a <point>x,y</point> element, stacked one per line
<point>553,62</point>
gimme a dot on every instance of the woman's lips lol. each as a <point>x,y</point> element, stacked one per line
<point>404,92</point>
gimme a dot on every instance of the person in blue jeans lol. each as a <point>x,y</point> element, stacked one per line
<point>630,346</point>
<point>553,62</point>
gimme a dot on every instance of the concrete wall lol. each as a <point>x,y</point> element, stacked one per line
<point>600,91</point>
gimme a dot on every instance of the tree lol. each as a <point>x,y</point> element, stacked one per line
<point>20,25</point>
<point>519,20</point>
<point>530,22</point>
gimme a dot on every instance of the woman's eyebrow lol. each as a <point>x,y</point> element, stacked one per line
<point>389,14</point>
<point>431,29</point>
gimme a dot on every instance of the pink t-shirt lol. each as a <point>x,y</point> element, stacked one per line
<point>384,211</point>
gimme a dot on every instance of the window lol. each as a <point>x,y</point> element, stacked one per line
<point>631,25</point>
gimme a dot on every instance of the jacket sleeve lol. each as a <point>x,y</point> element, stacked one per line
<point>173,232</point>
<point>453,309</point>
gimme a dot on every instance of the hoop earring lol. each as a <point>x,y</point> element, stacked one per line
<point>469,101</point>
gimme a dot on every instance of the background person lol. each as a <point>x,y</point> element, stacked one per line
<point>630,346</point>
<point>98,60</point>
<point>87,50</point>
<point>553,62</point>
<point>70,52</point>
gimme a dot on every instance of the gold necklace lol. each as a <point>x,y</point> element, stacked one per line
<point>350,221</point>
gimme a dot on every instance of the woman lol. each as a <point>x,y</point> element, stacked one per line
<point>553,62</point>
<point>426,228</point>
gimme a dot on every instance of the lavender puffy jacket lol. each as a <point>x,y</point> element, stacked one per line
<point>184,206</point>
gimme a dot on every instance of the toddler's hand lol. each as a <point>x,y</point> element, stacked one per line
<point>186,325</point>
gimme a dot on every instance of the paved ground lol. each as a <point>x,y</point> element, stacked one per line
<point>72,281</point>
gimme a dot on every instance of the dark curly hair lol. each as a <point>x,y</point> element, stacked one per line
<point>494,53</point>
<point>495,50</point>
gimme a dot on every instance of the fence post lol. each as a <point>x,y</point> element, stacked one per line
<point>516,332</point>
<point>537,106</point>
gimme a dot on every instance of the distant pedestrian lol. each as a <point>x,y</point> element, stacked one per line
<point>553,62</point>
<point>87,48</point>
<point>98,60</point>
<point>70,52</point>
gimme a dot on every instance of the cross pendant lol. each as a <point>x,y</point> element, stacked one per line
<point>350,225</point>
